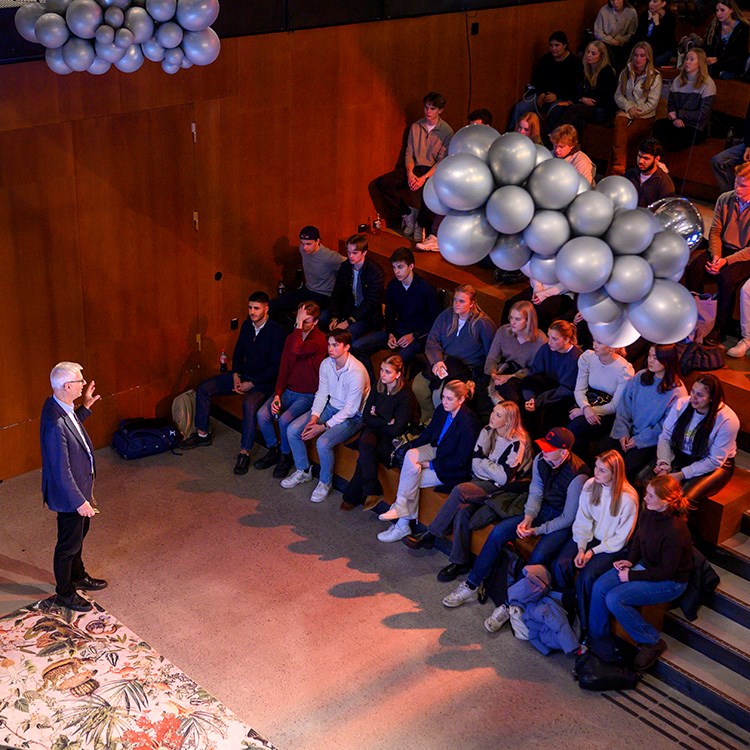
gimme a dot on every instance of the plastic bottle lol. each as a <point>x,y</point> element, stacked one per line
<point>377,225</point>
<point>223,359</point>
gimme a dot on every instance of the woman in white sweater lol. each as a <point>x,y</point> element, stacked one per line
<point>606,517</point>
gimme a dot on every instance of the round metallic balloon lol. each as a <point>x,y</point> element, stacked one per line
<point>542,153</point>
<point>473,139</point>
<point>666,315</point>
<point>99,67</point>
<point>431,199</point>
<point>583,185</point>
<point>510,209</point>
<point>124,38</point>
<point>57,6</point>
<point>465,237</point>
<point>140,23</point>
<point>599,307</point>
<point>510,252</point>
<point>620,191</point>
<point>512,158</point>
<point>26,18</point>
<point>543,269</point>
<point>187,64</point>
<point>631,278</point>
<point>153,50</point>
<point>462,181</point>
<point>584,264</point>
<point>114,17</point>
<point>553,184</point>
<point>681,216</point>
<point>51,30</point>
<point>161,10</point>
<point>105,34</point>
<point>174,56</point>
<point>591,213</point>
<point>84,17</point>
<point>619,333</point>
<point>108,52</point>
<point>632,231</point>
<point>668,254</point>
<point>131,60</point>
<point>547,232</point>
<point>169,68</point>
<point>197,15</point>
<point>55,62</point>
<point>78,53</point>
<point>203,47</point>
<point>169,35</point>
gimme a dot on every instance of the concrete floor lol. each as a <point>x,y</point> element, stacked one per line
<point>295,616</point>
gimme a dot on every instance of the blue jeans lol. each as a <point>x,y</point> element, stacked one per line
<point>610,595</point>
<point>373,342</point>
<point>325,443</point>
<point>723,164</point>
<point>292,405</point>
<point>544,552</point>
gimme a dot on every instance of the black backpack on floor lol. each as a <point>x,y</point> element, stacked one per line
<point>614,672</point>
<point>140,437</point>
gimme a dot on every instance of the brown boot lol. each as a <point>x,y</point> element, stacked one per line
<point>648,655</point>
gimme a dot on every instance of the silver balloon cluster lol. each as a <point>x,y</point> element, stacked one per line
<point>501,195</point>
<point>93,35</point>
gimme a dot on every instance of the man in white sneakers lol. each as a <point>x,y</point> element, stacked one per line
<point>335,416</point>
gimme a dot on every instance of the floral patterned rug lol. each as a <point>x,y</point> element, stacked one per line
<point>71,681</point>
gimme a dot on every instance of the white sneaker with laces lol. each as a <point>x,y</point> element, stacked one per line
<point>297,477</point>
<point>516,622</point>
<point>459,596</point>
<point>394,533</point>
<point>739,349</point>
<point>321,492</point>
<point>497,619</point>
<point>430,245</point>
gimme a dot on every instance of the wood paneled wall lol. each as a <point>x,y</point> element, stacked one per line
<point>99,179</point>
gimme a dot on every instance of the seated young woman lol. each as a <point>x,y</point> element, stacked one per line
<point>501,462</point>
<point>605,521</point>
<point>656,569</point>
<point>530,126</point>
<point>615,24</point>
<point>441,455</point>
<point>565,146</point>
<point>657,26</point>
<point>551,301</point>
<point>388,411</point>
<point>726,42</point>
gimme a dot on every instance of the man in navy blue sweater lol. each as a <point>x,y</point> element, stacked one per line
<point>255,366</point>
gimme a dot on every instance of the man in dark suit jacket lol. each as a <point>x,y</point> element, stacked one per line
<point>68,470</point>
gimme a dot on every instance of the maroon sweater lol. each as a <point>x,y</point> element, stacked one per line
<point>663,545</point>
<point>300,362</point>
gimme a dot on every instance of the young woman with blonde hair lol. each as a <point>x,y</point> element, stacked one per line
<point>726,43</point>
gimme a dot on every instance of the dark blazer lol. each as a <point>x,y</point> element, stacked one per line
<point>452,463</point>
<point>257,358</point>
<point>67,481</point>
<point>342,298</point>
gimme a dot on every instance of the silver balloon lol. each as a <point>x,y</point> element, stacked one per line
<point>108,52</point>
<point>55,62</point>
<point>512,158</point>
<point>26,18</point>
<point>620,332</point>
<point>114,17</point>
<point>668,254</point>
<point>105,34</point>
<point>124,38</point>
<point>510,209</point>
<point>681,216</point>
<point>169,68</point>
<point>510,253</point>
<point>174,56</point>
<point>99,67</point>
<point>140,23</point>
<point>553,184</point>
<point>542,153</point>
<point>473,139</point>
<point>591,213</point>
<point>462,181</point>
<point>169,35</point>
<point>78,54</point>
<point>543,269</point>
<point>131,60</point>
<point>631,279</point>
<point>547,232</point>
<point>584,264</point>
<point>51,30</point>
<point>161,10</point>
<point>58,6</point>
<point>632,231</point>
<point>84,17</point>
<point>583,184</point>
<point>620,191</point>
<point>429,195</point>
<point>122,4</point>
<point>187,64</point>
<point>197,15</point>
<point>599,307</point>
<point>465,238</point>
<point>666,315</point>
<point>155,52</point>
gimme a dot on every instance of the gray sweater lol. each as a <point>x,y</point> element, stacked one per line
<point>507,348</point>
<point>470,346</point>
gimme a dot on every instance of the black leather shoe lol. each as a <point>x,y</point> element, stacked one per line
<point>90,584</point>
<point>285,464</point>
<point>75,602</point>
<point>425,540</point>
<point>195,441</point>
<point>243,463</point>
<point>270,459</point>
<point>452,571</point>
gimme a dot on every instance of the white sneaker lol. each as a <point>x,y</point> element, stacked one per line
<point>497,619</point>
<point>459,596</point>
<point>408,222</point>
<point>739,349</point>
<point>516,622</point>
<point>394,533</point>
<point>430,245</point>
<point>321,492</point>
<point>297,477</point>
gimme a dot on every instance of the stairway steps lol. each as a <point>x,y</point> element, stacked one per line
<point>733,555</point>
<point>731,598</point>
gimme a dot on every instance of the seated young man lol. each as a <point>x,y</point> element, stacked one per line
<point>411,306</point>
<point>255,365</point>
<point>335,416</point>
<point>650,178</point>
<point>305,348</point>
<point>426,146</point>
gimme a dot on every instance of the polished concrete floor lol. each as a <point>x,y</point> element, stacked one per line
<point>294,615</point>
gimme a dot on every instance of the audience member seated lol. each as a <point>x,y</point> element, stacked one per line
<point>557,479</point>
<point>615,24</point>
<point>728,256</point>
<point>426,146</point>
<point>411,306</point>
<point>389,410</point>
<point>657,25</point>
<point>565,146</point>
<point>726,42</point>
<point>698,442</point>
<point>255,365</point>
<point>656,569</point>
<point>644,405</point>
<point>480,117</point>
<point>357,299</point>
<point>595,98</point>
<point>551,302</point>
<point>530,126</point>
<point>605,521</point>
<point>513,349</point>
<point>650,177</point>
<point>441,455</point>
<point>741,348</point>
<point>304,350</point>
<point>724,162</point>
<point>555,79</point>
<point>319,266</point>
<point>636,96</point>
<point>691,99</point>
<point>501,463</point>
<point>603,374</point>
<point>335,416</point>
<point>457,347</point>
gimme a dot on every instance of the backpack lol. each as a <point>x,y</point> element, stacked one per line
<point>183,413</point>
<point>701,357</point>
<point>592,672</point>
<point>140,437</point>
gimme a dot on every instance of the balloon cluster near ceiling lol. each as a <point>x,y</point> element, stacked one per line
<point>93,35</point>
<point>504,197</point>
